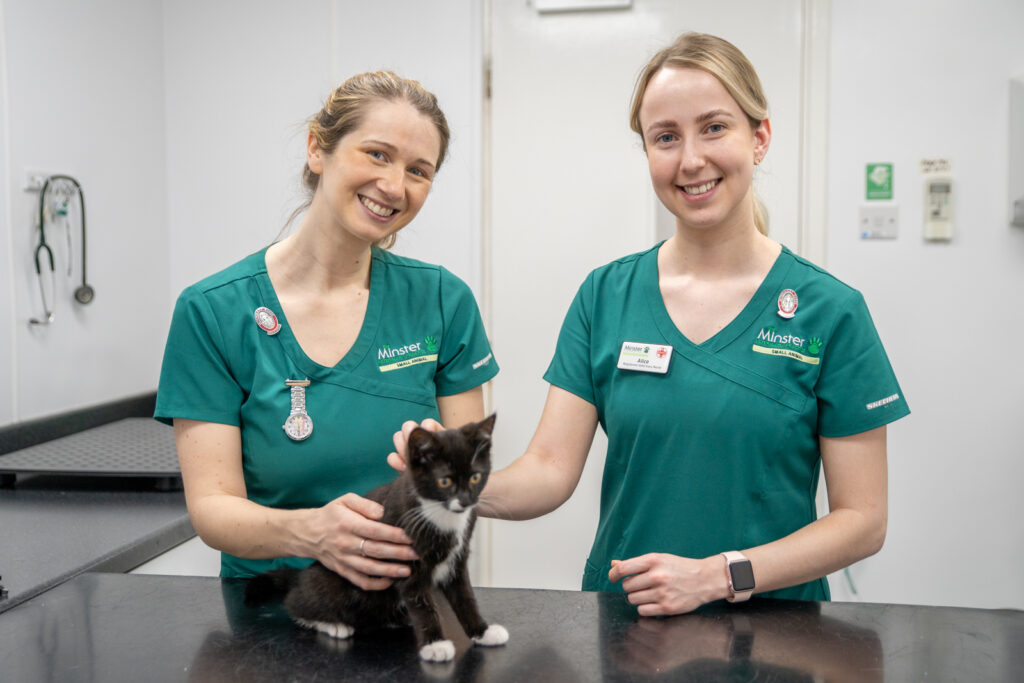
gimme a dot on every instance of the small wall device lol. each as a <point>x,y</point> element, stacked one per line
<point>938,208</point>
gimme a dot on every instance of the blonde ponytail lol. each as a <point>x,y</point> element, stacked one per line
<point>760,214</point>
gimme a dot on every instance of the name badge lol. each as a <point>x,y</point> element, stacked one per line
<point>645,357</point>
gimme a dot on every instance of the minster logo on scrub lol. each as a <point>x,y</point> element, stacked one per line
<point>395,358</point>
<point>772,343</point>
<point>387,352</point>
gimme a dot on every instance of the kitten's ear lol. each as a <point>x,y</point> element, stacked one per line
<point>485,427</point>
<point>420,445</point>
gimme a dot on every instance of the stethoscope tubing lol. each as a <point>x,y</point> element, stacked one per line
<point>84,293</point>
<point>42,217</point>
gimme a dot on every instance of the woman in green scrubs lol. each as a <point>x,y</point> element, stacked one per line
<point>726,371</point>
<point>286,374</point>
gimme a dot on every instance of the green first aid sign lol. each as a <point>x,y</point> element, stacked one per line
<point>879,181</point>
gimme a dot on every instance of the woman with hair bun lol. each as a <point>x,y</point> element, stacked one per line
<point>286,374</point>
<point>726,371</point>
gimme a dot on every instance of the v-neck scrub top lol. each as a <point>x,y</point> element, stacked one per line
<point>721,451</point>
<point>422,337</point>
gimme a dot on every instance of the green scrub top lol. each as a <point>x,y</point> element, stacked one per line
<point>422,337</point>
<point>721,451</point>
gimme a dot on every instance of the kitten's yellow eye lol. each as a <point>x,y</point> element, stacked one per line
<point>475,479</point>
<point>444,482</point>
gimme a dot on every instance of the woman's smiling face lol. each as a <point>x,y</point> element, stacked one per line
<point>701,149</point>
<point>377,177</point>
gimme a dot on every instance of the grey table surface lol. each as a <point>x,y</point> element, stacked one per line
<point>53,528</point>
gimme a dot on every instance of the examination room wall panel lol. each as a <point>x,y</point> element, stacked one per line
<point>241,79</point>
<point>7,260</point>
<point>76,104</point>
<point>930,80</point>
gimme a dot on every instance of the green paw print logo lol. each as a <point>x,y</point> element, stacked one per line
<point>814,345</point>
<point>431,343</point>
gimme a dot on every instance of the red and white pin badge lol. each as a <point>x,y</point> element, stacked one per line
<point>788,301</point>
<point>267,321</point>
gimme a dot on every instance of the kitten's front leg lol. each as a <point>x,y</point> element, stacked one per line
<point>434,647</point>
<point>460,596</point>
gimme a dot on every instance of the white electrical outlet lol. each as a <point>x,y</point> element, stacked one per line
<point>879,222</point>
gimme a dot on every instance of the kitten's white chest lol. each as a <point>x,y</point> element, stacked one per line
<point>443,571</point>
<point>446,520</point>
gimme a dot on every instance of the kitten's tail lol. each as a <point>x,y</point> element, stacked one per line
<point>272,585</point>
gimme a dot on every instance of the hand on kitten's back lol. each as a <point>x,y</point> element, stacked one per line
<point>398,458</point>
<point>356,545</point>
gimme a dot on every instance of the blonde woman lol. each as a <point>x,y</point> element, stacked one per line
<point>286,374</point>
<point>726,371</point>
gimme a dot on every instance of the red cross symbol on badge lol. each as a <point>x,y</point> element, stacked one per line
<point>661,352</point>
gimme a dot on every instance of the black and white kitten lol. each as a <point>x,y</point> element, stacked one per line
<point>433,502</point>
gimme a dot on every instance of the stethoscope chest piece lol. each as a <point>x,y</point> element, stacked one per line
<point>84,294</point>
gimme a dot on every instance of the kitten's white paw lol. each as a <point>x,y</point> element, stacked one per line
<point>333,629</point>
<point>339,630</point>
<point>438,651</point>
<point>494,635</point>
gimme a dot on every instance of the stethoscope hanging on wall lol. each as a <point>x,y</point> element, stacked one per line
<point>61,189</point>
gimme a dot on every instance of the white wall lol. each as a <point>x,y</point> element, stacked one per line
<point>191,558</point>
<point>912,81</point>
<point>8,391</point>
<point>241,79</point>
<point>84,97</point>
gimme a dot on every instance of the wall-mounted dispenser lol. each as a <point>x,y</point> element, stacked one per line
<point>938,208</point>
<point>1016,151</point>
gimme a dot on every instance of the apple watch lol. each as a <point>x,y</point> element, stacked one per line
<point>740,573</point>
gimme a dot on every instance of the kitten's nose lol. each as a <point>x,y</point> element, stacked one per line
<point>454,505</point>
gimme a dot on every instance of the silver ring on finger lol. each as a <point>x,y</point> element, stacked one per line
<point>362,551</point>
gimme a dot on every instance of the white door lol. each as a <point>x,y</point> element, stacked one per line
<point>569,191</point>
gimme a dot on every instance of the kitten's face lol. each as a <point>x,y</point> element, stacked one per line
<point>451,466</point>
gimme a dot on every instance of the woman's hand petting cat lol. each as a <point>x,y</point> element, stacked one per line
<point>397,457</point>
<point>660,584</point>
<point>352,543</point>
